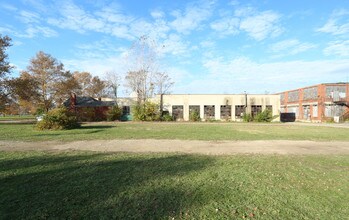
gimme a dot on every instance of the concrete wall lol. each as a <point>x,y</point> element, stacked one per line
<point>217,101</point>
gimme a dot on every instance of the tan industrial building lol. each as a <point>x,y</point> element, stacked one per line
<point>219,107</point>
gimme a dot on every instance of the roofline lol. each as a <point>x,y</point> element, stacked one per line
<point>291,90</point>
<point>221,94</point>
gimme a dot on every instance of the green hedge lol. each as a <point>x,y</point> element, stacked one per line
<point>58,119</point>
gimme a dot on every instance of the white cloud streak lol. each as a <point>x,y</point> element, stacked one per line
<point>257,25</point>
<point>290,47</point>
<point>192,18</point>
<point>337,48</point>
<point>337,24</point>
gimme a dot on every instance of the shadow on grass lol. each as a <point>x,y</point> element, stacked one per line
<point>111,186</point>
<point>18,122</point>
<point>96,127</point>
<point>85,129</point>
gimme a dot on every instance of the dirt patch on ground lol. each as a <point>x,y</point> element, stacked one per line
<point>185,146</point>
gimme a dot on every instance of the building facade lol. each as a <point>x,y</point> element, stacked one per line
<point>219,107</point>
<point>323,102</point>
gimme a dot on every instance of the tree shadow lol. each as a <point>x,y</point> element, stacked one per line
<point>87,185</point>
<point>86,127</point>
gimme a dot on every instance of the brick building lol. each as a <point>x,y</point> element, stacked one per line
<point>323,102</point>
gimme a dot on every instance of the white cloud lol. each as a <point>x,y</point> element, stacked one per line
<point>156,30</point>
<point>156,14</point>
<point>262,25</point>
<point>258,25</point>
<point>6,30</point>
<point>290,47</point>
<point>245,11</point>
<point>108,20</point>
<point>337,48</point>
<point>17,43</point>
<point>29,17</point>
<point>30,31</point>
<point>234,2</point>
<point>208,44</point>
<point>40,5</point>
<point>33,31</point>
<point>242,74</point>
<point>8,7</point>
<point>96,66</point>
<point>113,15</point>
<point>98,49</point>
<point>337,24</point>
<point>175,45</point>
<point>192,18</point>
<point>75,18</point>
<point>226,26</point>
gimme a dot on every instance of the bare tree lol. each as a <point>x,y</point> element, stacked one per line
<point>113,80</point>
<point>163,84</point>
<point>142,59</point>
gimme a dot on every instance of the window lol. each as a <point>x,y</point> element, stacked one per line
<point>310,93</point>
<point>239,111</point>
<point>225,111</point>
<point>293,96</point>
<point>306,112</point>
<point>193,108</point>
<point>270,108</point>
<point>255,110</point>
<point>126,110</point>
<point>209,111</point>
<point>177,111</point>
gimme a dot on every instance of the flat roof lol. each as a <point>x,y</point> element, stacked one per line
<point>290,90</point>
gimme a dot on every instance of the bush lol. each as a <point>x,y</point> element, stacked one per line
<point>247,117</point>
<point>194,116</point>
<point>114,113</point>
<point>264,116</point>
<point>39,111</point>
<point>58,119</point>
<point>167,117</point>
<point>148,111</point>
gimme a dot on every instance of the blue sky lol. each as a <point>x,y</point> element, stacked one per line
<point>206,46</point>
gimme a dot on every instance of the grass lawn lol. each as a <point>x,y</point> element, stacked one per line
<point>184,131</point>
<point>17,117</point>
<point>41,185</point>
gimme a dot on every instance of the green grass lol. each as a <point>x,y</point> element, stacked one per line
<point>17,118</point>
<point>184,131</point>
<point>80,185</point>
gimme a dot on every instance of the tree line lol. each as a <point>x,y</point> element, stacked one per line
<point>46,84</point>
